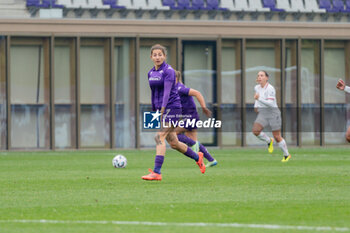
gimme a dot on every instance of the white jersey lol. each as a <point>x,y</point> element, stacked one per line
<point>267,97</point>
<point>347,89</point>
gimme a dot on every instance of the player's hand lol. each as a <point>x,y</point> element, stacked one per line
<point>256,110</point>
<point>207,112</point>
<point>341,85</point>
<point>256,96</point>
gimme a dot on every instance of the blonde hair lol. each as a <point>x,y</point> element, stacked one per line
<point>178,76</point>
<point>160,47</point>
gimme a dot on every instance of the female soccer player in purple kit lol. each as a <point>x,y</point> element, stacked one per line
<point>166,100</point>
<point>189,111</point>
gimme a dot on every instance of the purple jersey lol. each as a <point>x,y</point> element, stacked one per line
<point>162,83</point>
<point>187,102</point>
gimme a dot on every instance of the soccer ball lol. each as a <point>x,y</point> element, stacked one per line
<point>119,161</point>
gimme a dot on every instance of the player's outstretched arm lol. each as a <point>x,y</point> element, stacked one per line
<point>201,101</point>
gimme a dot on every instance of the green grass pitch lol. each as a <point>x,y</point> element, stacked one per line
<point>248,186</point>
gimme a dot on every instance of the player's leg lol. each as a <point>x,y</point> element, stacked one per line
<point>258,126</point>
<point>183,138</point>
<point>258,132</point>
<point>347,135</point>
<point>275,122</point>
<point>282,144</point>
<point>160,153</point>
<point>180,130</point>
<point>192,134</point>
<point>186,150</point>
<point>190,141</point>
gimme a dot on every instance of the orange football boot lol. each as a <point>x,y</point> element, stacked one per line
<point>200,162</point>
<point>152,176</point>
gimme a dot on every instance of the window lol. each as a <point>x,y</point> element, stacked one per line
<point>199,62</point>
<point>290,111</point>
<point>29,93</point>
<point>310,92</point>
<point>336,115</point>
<point>124,76</point>
<point>65,95</point>
<point>231,92</point>
<point>94,93</point>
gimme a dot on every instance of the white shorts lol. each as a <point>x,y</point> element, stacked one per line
<point>272,119</point>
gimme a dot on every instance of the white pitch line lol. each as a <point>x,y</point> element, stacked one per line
<point>199,224</point>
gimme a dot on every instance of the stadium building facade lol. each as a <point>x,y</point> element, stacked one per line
<point>80,80</point>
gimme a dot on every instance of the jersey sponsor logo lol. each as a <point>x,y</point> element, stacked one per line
<point>155,78</point>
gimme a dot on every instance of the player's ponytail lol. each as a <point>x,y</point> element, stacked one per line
<point>178,76</point>
<point>266,74</point>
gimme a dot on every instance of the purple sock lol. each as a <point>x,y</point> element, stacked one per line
<point>190,153</point>
<point>205,153</point>
<point>158,162</point>
<point>183,138</point>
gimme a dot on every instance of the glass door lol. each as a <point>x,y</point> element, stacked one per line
<point>199,73</point>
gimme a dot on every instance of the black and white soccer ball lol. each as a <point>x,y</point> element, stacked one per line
<point>119,161</point>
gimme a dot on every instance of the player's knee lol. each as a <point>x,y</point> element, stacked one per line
<point>256,132</point>
<point>172,141</point>
<point>278,138</point>
<point>173,145</point>
<point>158,139</point>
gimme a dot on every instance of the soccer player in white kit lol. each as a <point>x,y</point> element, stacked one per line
<point>341,86</point>
<point>268,115</point>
